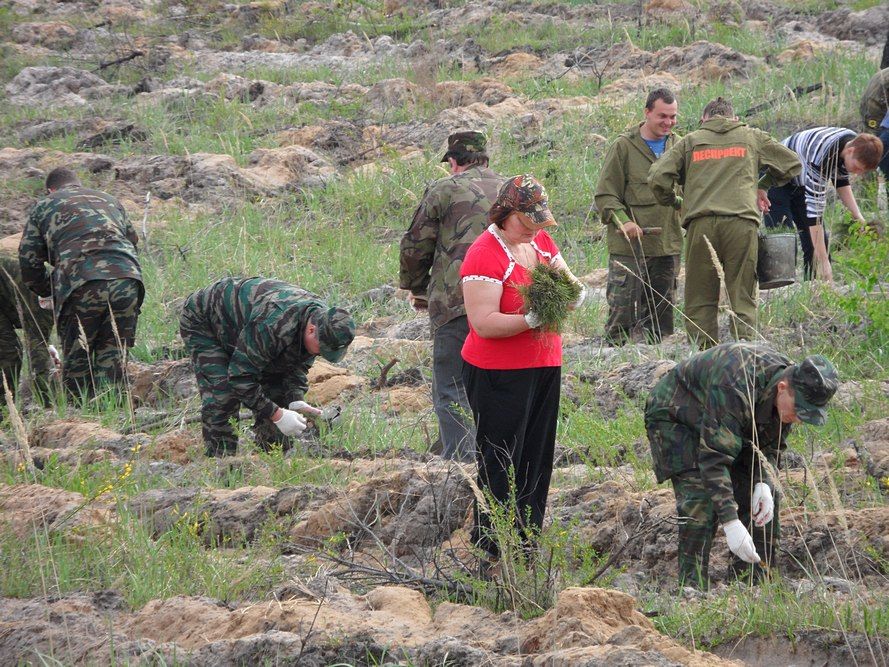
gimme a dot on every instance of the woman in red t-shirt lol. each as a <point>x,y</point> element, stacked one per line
<point>511,370</point>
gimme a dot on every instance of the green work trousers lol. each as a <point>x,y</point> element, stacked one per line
<point>734,242</point>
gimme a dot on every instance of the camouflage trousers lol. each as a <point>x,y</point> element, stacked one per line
<point>640,293</point>
<point>36,329</point>
<point>698,525</point>
<point>93,354</point>
<point>219,404</point>
<point>734,242</point>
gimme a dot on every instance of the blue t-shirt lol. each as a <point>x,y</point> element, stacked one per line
<point>657,146</point>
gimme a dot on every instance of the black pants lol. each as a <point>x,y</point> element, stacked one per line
<point>789,210</point>
<point>516,413</point>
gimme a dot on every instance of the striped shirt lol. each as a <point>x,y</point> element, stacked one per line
<point>819,150</point>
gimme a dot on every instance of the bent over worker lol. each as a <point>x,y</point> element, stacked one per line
<point>716,424</point>
<point>96,285</point>
<point>252,342</point>
<point>723,196</point>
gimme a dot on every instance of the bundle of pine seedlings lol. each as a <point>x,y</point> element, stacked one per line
<point>549,296</point>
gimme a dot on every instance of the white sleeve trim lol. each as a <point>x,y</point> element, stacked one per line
<point>484,279</point>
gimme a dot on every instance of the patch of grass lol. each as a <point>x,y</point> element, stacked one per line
<point>768,610</point>
<point>126,556</point>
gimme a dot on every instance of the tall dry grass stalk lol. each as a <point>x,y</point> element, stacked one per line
<point>18,426</point>
<point>84,343</point>
<point>122,351</point>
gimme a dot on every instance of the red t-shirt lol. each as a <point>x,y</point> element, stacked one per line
<point>488,259</point>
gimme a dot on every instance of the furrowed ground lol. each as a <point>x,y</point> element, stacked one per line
<point>294,140</point>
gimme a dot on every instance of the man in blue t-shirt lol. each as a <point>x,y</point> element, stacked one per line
<point>642,263</point>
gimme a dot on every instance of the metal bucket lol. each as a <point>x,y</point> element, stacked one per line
<point>776,260</point>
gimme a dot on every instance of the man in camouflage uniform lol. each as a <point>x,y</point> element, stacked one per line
<point>716,424</point>
<point>642,264</point>
<point>875,113</point>
<point>96,285</point>
<point>724,197</point>
<point>451,215</point>
<point>19,309</point>
<point>252,341</point>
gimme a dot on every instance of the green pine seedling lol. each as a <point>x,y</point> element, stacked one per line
<point>549,295</point>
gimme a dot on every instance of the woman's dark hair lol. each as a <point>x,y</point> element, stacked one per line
<point>498,214</point>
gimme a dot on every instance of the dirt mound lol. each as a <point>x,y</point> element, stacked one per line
<point>224,516</point>
<point>212,177</point>
<point>29,508</point>
<point>58,86</point>
<point>411,511</point>
<point>324,624</point>
<point>177,446</point>
<point>866,25</point>
<point>699,61</point>
<point>872,446</point>
<point>151,384</point>
<point>639,85</point>
<point>73,434</point>
<point>53,35</point>
<point>329,383</point>
<point>629,380</point>
<point>834,543</point>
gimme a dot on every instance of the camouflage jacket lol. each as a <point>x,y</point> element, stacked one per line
<point>623,187</point>
<point>453,212</point>
<point>726,395</point>
<point>875,102</point>
<point>16,300</point>
<point>718,167</point>
<point>259,323</point>
<point>85,235</point>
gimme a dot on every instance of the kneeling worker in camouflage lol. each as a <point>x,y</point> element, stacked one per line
<point>96,288</point>
<point>252,341</point>
<point>716,424</point>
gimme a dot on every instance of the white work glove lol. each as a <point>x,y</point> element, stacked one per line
<point>762,505</point>
<point>290,422</point>
<point>304,408</point>
<point>580,299</point>
<point>56,359</point>
<point>740,542</point>
<point>533,320</point>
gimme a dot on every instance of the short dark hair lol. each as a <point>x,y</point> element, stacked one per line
<point>468,159</point>
<point>60,177</point>
<point>718,107</point>
<point>659,94</point>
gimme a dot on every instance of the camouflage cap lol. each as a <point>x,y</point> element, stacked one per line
<point>526,194</point>
<point>814,382</point>
<point>465,143</point>
<point>335,332</point>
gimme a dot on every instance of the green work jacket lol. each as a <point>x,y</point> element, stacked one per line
<point>623,187</point>
<point>875,101</point>
<point>719,169</point>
